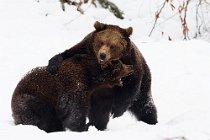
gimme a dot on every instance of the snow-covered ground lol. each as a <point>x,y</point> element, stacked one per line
<point>31,33</point>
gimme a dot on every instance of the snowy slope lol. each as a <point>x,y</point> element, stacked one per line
<point>31,33</point>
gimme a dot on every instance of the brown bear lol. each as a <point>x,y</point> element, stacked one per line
<point>56,102</point>
<point>108,43</point>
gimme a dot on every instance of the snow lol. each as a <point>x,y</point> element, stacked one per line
<point>31,33</point>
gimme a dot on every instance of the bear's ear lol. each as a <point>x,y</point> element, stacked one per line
<point>129,31</point>
<point>99,26</point>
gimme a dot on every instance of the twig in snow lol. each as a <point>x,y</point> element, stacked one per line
<point>173,138</point>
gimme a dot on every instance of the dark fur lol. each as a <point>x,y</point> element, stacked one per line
<point>135,94</point>
<point>64,100</point>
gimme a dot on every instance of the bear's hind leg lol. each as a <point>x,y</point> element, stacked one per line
<point>143,107</point>
<point>100,109</point>
<point>76,122</point>
<point>75,115</point>
<point>99,118</point>
<point>30,110</point>
<point>144,110</point>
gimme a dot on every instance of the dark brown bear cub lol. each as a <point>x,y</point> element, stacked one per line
<point>107,43</point>
<point>56,102</point>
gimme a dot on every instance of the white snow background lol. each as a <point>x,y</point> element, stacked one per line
<point>31,33</point>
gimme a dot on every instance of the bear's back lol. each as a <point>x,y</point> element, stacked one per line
<point>38,82</point>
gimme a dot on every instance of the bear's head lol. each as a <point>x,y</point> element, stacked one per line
<point>123,71</point>
<point>112,75</point>
<point>110,42</point>
<point>120,70</point>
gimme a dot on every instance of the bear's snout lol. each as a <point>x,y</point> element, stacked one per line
<point>103,55</point>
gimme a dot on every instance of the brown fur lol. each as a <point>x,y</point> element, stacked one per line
<point>112,41</point>
<point>56,102</point>
<point>135,94</point>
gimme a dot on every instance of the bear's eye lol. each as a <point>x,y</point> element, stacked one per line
<point>101,43</point>
<point>111,47</point>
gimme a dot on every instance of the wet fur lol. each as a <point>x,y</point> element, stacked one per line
<point>64,100</point>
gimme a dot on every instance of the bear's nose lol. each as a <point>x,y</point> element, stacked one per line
<point>102,56</point>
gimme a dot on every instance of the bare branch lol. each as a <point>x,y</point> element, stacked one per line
<point>198,27</point>
<point>157,15</point>
<point>183,10</point>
